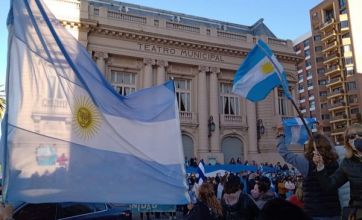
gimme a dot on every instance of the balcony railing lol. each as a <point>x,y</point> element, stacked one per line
<point>125,17</point>
<point>328,35</point>
<point>333,69</point>
<point>338,130</point>
<point>327,23</point>
<point>330,58</point>
<point>334,81</point>
<point>339,117</point>
<point>330,46</point>
<point>232,36</point>
<point>182,27</point>
<point>188,117</point>
<point>336,105</point>
<point>232,120</point>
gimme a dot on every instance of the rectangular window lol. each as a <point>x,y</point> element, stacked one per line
<point>322,82</point>
<point>307,53</point>
<point>344,24</point>
<point>229,102</point>
<point>283,102</point>
<point>353,99</point>
<point>312,104</point>
<point>348,60</point>
<point>309,83</point>
<point>328,15</point>
<point>351,86</point>
<point>318,48</point>
<point>354,110</point>
<point>123,82</point>
<point>300,76</point>
<point>317,37</point>
<point>321,70</point>
<point>319,59</point>
<point>322,94</point>
<point>323,105</point>
<point>325,116</point>
<point>183,94</point>
<point>306,43</point>
<point>307,63</point>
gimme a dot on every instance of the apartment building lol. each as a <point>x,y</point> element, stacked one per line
<point>337,46</point>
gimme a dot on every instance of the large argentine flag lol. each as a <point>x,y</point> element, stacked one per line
<point>294,130</point>
<point>259,74</point>
<point>70,137</point>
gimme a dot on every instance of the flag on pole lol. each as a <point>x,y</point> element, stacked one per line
<point>201,172</point>
<point>70,137</point>
<point>259,74</point>
<point>294,130</point>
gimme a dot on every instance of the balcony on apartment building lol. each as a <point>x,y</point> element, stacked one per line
<point>329,35</point>
<point>334,81</point>
<point>338,131</point>
<point>335,93</point>
<point>332,69</point>
<point>328,24</point>
<point>334,57</point>
<point>338,118</point>
<point>330,46</point>
<point>336,106</point>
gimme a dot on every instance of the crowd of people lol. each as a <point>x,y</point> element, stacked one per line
<point>314,190</point>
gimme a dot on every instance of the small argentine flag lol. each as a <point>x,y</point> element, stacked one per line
<point>294,130</point>
<point>259,74</point>
<point>201,172</point>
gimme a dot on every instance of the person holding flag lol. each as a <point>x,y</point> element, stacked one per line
<point>256,77</point>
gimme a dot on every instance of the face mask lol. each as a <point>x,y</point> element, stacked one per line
<point>255,194</point>
<point>356,144</point>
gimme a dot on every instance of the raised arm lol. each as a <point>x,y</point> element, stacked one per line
<point>298,161</point>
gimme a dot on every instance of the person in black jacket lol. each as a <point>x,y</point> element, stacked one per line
<point>318,203</point>
<point>236,204</point>
<point>349,170</point>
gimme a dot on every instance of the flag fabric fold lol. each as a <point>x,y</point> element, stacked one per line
<point>70,136</point>
<point>294,130</point>
<point>259,74</point>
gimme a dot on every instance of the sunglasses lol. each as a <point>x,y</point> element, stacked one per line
<point>354,135</point>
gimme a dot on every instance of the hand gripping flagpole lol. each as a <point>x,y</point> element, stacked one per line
<point>291,99</point>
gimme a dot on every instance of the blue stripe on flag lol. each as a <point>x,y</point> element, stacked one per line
<point>262,89</point>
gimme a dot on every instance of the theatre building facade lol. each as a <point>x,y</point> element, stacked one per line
<point>137,47</point>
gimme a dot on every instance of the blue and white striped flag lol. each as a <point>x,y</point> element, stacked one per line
<point>201,172</point>
<point>70,137</point>
<point>294,130</point>
<point>259,74</point>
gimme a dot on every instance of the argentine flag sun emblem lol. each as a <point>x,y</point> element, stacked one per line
<point>86,118</point>
<point>267,68</point>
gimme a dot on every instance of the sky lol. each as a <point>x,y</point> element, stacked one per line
<point>287,19</point>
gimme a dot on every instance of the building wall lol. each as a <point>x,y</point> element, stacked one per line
<point>156,49</point>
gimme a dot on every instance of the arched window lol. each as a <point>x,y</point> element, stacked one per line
<point>232,147</point>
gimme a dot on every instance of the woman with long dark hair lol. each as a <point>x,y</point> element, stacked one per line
<point>318,204</point>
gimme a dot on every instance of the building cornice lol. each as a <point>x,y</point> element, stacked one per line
<point>92,26</point>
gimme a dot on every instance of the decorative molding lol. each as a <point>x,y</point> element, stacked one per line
<point>100,54</point>
<point>204,68</point>
<point>214,69</point>
<point>162,63</point>
<point>149,61</point>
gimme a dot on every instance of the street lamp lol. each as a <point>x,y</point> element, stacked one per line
<point>260,129</point>
<point>211,125</point>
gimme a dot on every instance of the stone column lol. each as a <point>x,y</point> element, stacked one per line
<point>147,73</point>
<point>251,116</point>
<point>202,110</point>
<point>214,108</point>
<point>100,60</point>
<point>161,71</point>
